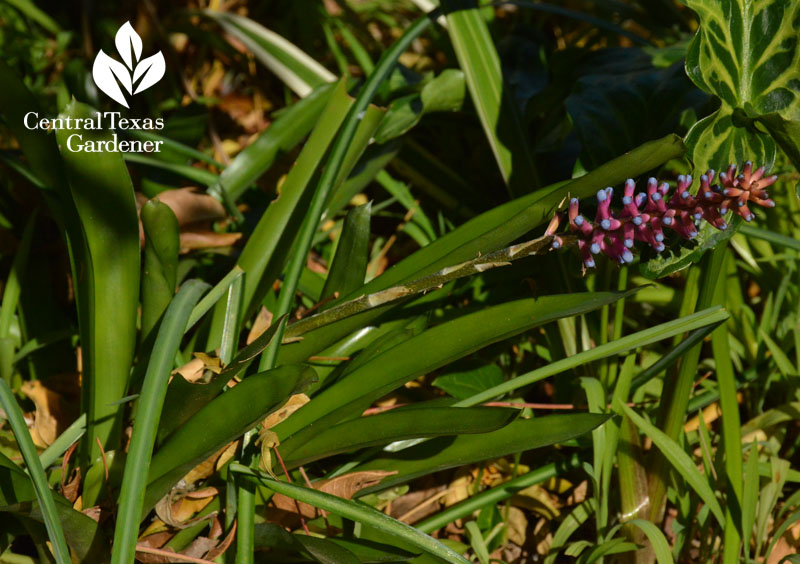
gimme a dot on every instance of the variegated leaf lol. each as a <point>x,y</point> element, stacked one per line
<point>747,53</point>
<point>717,141</point>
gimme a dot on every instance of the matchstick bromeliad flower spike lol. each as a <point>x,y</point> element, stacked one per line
<point>644,215</point>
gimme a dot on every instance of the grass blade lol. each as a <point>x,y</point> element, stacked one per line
<point>657,540</point>
<point>357,512</point>
<point>43,493</point>
<point>493,100</point>
<point>639,339</point>
<point>151,400</point>
<point>295,68</point>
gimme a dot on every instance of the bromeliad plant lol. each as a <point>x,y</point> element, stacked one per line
<point>356,361</point>
<point>645,215</point>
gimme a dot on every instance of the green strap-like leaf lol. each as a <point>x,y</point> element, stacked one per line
<point>151,400</point>
<point>358,512</point>
<point>395,425</point>
<point>448,452</point>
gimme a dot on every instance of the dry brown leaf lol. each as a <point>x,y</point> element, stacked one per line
<point>156,540</point>
<point>294,403</point>
<point>579,493</point>
<point>192,240</point>
<point>781,550</point>
<point>221,547</point>
<point>411,500</point>
<point>147,558</point>
<point>345,486</point>
<point>536,498</point>
<point>207,467</point>
<point>178,514</point>
<point>261,323</point>
<point>517,526</point>
<point>192,371</point>
<point>199,547</point>
<point>226,455</point>
<point>71,488</point>
<point>460,488</point>
<point>51,416</point>
<point>191,206</point>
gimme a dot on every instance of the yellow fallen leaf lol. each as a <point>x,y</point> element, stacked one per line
<point>517,525</point>
<point>261,323</point>
<point>294,403</point>
<point>49,419</point>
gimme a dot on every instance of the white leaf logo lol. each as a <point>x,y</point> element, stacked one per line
<point>109,74</point>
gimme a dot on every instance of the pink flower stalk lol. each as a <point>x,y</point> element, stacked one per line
<point>644,215</point>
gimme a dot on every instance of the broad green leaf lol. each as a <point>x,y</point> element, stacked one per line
<point>680,461</point>
<point>747,53</point>
<point>395,425</point>
<point>434,348</point>
<point>358,512</point>
<point>442,94</point>
<point>448,452</point>
<point>349,266</point>
<point>295,68</point>
<point>620,100</point>
<point>219,422</point>
<point>159,276</point>
<point>717,141</point>
<point>464,384</point>
<point>103,197</point>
